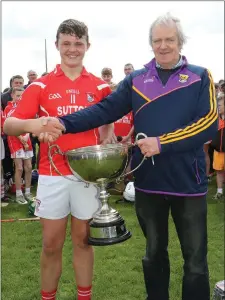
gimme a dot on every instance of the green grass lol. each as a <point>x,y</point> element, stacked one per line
<point>118,270</point>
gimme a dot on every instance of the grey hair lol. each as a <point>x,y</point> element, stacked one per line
<point>31,71</point>
<point>167,19</point>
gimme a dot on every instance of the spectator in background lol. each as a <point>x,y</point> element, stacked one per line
<point>222,87</point>
<point>107,77</point>
<point>6,90</point>
<point>217,88</point>
<point>15,81</point>
<point>21,153</point>
<point>128,69</point>
<point>218,143</point>
<point>221,81</point>
<point>7,163</point>
<point>32,76</point>
<point>4,198</point>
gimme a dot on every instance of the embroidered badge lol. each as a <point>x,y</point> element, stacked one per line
<point>183,78</point>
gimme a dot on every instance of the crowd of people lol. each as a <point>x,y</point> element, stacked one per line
<point>175,179</point>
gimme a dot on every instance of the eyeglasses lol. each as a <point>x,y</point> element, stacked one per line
<point>32,75</point>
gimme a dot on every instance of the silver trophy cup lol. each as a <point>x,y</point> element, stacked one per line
<point>100,165</point>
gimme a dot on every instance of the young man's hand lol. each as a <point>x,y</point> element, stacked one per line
<point>47,129</point>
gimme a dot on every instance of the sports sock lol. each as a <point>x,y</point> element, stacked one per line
<point>48,295</point>
<point>84,293</point>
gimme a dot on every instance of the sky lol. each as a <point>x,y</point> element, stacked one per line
<point>118,34</point>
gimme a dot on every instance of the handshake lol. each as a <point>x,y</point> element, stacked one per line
<point>46,129</point>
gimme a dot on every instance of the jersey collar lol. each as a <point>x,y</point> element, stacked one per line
<point>59,72</point>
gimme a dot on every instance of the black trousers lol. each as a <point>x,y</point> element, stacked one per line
<point>7,162</point>
<point>190,218</point>
<point>34,142</point>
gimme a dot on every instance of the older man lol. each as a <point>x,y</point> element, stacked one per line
<point>32,76</point>
<point>174,104</point>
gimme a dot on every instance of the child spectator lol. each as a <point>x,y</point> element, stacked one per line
<point>21,153</point>
<point>107,77</point>
<point>4,198</point>
<point>218,144</point>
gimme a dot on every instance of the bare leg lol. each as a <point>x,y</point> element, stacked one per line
<point>28,172</point>
<point>18,172</point>
<point>54,233</point>
<point>219,179</point>
<point>83,254</point>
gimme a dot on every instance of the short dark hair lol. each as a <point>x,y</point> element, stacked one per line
<point>106,71</point>
<point>17,89</point>
<point>15,77</point>
<point>73,27</point>
<point>126,65</point>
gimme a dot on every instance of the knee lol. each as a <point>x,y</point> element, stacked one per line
<point>28,168</point>
<point>52,248</point>
<point>80,241</point>
<point>196,266</point>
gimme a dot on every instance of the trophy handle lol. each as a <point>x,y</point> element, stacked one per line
<point>57,150</point>
<point>144,158</point>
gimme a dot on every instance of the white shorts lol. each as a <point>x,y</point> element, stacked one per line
<point>57,197</point>
<point>22,154</point>
<point>2,149</point>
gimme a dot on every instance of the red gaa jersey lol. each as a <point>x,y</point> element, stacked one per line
<point>13,142</point>
<point>56,95</point>
<point>124,125</point>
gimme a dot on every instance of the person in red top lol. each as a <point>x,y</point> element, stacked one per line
<point>4,198</point>
<point>21,152</point>
<point>67,89</point>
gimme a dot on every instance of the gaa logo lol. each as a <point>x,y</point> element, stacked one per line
<point>54,96</point>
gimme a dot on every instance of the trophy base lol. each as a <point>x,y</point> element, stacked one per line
<point>105,234</point>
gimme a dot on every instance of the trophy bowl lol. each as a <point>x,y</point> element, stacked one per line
<point>100,161</point>
<point>99,165</point>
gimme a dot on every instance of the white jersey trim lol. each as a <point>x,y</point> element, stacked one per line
<point>102,86</point>
<point>42,85</point>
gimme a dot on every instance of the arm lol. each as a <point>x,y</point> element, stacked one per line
<point>21,121</point>
<point>203,127</point>
<point>110,109</point>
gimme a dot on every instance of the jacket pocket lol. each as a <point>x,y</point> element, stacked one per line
<point>196,171</point>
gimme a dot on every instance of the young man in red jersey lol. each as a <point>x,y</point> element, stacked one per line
<point>67,89</point>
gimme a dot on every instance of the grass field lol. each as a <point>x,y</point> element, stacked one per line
<point>118,270</point>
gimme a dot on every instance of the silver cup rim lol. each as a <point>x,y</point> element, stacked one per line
<point>97,148</point>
